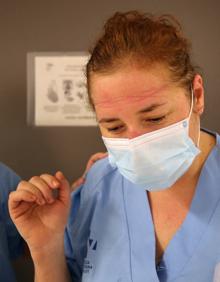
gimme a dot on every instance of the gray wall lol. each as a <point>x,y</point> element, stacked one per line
<point>66,25</point>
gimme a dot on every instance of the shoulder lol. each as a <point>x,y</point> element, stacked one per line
<point>99,172</point>
<point>215,153</point>
<point>98,191</point>
<point>8,180</point>
<point>217,141</point>
<point>8,176</point>
<point>211,164</point>
<point>100,179</point>
<point>4,167</point>
<point>13,241</point>
<point>211,145</point>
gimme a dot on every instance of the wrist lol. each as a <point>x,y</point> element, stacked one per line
<point>53,249</point>
<point>50,263</point>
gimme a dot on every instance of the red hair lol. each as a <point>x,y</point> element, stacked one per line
<point>143,39</point>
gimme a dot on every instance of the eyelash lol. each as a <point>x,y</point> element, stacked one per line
<point>153,120</point>
<point>156,120</point>
<point>115,128</point>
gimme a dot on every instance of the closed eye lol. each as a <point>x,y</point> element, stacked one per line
<point>155,120</point>
<point>115,128</point>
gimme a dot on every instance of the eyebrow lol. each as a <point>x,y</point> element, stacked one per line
<point>108,120</point>
<point>151,108</point>
<point>145,110</point>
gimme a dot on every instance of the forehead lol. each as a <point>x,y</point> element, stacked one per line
<point>129,82</point>
<point>130,87</point>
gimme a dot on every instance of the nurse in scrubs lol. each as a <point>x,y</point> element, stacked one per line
<point>149,211</point>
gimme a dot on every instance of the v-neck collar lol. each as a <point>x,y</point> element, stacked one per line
<point>185,241</point>
<point>188,237</point>
<point>141,234</point>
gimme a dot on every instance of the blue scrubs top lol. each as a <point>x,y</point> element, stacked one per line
<point>110,234</point>
<point>11,243</point>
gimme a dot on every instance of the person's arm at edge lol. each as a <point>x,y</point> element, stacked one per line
<point>49,258</point>
<point>53,267</point>
<point>50,263</point>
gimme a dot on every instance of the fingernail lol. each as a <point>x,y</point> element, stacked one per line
<point>61,176</point>
<point>55,183</point>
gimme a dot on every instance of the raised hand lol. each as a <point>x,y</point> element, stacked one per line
<point>39,216</point>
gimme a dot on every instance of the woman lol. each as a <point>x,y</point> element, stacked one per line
<point>148,212</point>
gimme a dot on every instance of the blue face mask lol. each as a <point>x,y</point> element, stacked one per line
<point>154,160</point>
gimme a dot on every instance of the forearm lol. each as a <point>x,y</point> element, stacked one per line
<point>50,265</point>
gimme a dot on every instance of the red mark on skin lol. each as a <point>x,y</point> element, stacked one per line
<point>127,99</point>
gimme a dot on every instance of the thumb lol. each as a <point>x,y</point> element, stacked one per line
<point>64,188</point>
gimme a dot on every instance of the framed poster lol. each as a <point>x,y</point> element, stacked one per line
<point>57,91</point>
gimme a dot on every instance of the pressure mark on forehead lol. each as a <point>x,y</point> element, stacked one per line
<point>109,100</point>
<point>125,99</point>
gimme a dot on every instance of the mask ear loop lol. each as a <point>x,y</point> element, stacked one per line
<point>191,109</point>
<point>192,103</point>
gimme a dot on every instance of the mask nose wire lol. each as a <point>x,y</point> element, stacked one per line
<point>190,113</point>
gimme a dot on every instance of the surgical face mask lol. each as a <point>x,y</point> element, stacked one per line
<point>154,160</point>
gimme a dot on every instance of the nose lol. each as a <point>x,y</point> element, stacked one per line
<point>132,133</point>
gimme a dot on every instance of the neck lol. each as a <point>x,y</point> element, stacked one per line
<point>189,179</point>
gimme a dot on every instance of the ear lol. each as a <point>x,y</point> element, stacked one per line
<point>198,92</point>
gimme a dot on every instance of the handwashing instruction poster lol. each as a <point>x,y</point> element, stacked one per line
<point>61,97</point>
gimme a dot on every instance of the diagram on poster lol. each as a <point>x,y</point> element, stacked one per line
<point>60,91</point>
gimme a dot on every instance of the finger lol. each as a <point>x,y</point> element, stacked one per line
<point>29,187</point>
<point>64,188</point>
<point>77,183</point>
<point>16,197</point>
<point>51,180</point>
<point>43,187</point>
<point>94,158</point>
<point>101,155</point>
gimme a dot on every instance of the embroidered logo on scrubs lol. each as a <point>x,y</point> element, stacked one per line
<point>92,244</point>
<point>87,266</point>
